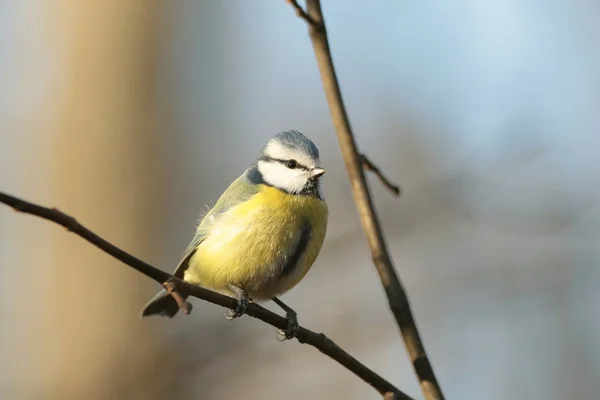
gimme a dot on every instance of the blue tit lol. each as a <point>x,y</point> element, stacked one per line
<point>263,234</point>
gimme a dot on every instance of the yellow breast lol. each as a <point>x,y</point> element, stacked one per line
<point>247,243</point>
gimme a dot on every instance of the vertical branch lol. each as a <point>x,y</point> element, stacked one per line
<point>395,292</point>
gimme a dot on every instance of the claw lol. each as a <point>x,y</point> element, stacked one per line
<point>240,309</point>
<point>292,322</point>
<point>242,303</point>
<point>292,327</point>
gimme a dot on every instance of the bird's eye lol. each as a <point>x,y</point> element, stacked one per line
<point>291,164</point>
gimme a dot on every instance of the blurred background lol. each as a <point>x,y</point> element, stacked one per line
<point>132,116</point>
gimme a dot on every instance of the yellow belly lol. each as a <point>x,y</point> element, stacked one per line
<point>245,245</point>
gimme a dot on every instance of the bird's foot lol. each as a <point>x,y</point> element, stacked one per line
<point>292,327</point>
<point>240,309</point>
<point>242,303</point>
<point>292,322</point>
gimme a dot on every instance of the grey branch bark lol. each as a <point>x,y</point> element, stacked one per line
<point>176,287</point>
<point>397,297</point>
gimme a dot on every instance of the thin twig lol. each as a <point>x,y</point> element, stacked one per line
<point>369,166</point>
<point>180,288</point>
<point>300,12</point>
<point>395,292</point>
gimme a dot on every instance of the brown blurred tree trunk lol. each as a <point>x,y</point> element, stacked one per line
<point>106,169</point>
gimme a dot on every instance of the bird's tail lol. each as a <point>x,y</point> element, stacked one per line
<point>163,304</point>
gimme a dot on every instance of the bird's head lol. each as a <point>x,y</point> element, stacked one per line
<point>290,162</point>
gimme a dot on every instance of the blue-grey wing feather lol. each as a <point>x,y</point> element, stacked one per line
<point>238,192</point>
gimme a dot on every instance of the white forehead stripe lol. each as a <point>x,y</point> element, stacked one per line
<point>277,150</point>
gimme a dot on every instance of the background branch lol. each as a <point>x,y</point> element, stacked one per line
<point>300,12</point>
<point>396,293</point>
<point>175,285</point>
<point>368,165</point>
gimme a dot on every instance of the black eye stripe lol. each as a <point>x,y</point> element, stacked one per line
<point>279,160</point>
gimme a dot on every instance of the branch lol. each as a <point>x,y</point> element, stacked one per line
<point>301,13</point>
<point>368,165</point>
<point>177,287</point>
<point>395,292</point>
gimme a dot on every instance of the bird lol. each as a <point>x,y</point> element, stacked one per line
<point>262,235</point>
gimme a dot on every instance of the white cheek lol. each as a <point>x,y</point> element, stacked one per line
<point>278,175</point>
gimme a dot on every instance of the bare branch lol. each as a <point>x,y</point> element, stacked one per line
<point>395,292</point>
<point>390,396</point>
<point>300,12</point>
<point>369,166</point>
<point>178,288</point>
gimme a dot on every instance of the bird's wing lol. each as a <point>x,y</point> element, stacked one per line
<point>239,191</point>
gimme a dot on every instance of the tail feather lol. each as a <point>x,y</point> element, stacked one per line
<point>163,304</point>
